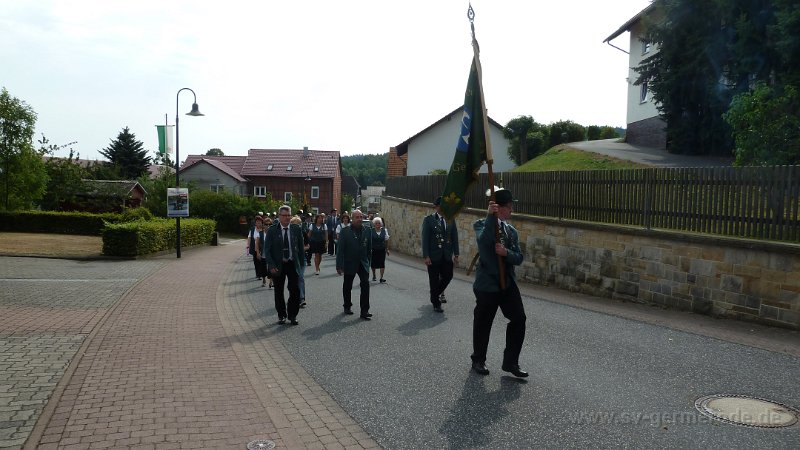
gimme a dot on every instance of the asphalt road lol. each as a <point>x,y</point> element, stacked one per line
<point>649,156</point>
<point>597,380</point>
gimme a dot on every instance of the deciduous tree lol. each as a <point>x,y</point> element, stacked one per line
<point>22,174</point>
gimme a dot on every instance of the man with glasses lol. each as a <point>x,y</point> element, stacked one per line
<point>498,243</point>
<point>353,258</point>
<point>284,253</point>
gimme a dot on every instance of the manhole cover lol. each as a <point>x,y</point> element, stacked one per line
<point>748,411</point>
<point>264,444</point>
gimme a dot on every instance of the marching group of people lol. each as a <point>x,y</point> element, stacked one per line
<point>281,250</point>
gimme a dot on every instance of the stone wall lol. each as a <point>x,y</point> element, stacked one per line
<point>738,278</point>
<point>647,133</point>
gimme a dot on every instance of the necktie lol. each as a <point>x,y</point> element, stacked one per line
<point>441,220</point>
<point>286,251</point>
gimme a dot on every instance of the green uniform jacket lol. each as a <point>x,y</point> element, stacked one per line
<point>272,250</point>
<point>438,243</point>
<point>351,251</point>
<point>487,277</point>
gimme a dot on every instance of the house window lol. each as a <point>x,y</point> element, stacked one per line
<point>288,168</point>
<point>260,191</point>
<point>646,46</point>
<point>269,167</point>
<point>315,210</point>
<point>287,197</point>
<point>316,168</point>
<point>218,188</point>
<point>643,93</point>
<point>314,191</point>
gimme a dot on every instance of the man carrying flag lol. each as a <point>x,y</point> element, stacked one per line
<point>498,242</point>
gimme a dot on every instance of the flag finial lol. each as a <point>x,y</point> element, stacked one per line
<point>471,17</point>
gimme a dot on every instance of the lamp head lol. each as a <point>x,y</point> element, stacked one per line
<point>195,111</point>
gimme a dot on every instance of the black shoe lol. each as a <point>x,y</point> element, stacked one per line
<point>303,304</point>
<point>480,368</point>
<point>349,312</point>
<point>374,279</point>
<point>383,281</point>
<point>442,299</point>
<point>295,322</point>
<point>281,320</point>
<point>438,309</point>
<point>515,370</point>
<point>366,316</point>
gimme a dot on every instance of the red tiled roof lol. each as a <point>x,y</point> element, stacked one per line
<point>258,160</point>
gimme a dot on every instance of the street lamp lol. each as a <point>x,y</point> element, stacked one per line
<point>306,177</point>
<point>194,112</point>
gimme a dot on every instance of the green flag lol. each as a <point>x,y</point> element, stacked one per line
<point>164,139</point>
<point>470,148</point>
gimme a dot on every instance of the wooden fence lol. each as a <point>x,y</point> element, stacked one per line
<point>752,202</point>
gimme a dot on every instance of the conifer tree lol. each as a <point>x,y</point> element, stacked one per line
<point>128,155</point>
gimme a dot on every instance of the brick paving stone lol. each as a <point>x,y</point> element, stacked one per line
<point>170,360</point>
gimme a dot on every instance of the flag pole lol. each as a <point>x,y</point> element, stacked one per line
<point>489,159</point>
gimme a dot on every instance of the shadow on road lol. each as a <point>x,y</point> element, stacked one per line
<point>476,410</point>
<point>427,319</point>
<point>336,323</point>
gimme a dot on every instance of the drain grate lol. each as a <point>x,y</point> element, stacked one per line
<point>748,411</point>
<point>261,444</point>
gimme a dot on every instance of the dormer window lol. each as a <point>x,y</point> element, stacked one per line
<point>269,167</point>
<point>288,168</point>
<point>316,168</point>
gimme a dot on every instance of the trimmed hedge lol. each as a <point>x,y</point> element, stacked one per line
<point>87,224</point>
<point>144,237</point>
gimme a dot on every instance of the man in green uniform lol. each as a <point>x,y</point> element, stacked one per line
<point>488,293</point>
<point>440,251</point>
<point>353,258</point>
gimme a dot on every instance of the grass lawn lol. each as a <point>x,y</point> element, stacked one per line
<point>563,157</point>
<point>54,245</point>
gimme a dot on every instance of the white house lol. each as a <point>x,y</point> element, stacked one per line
<point>434,147</point>
<point>644,126</point>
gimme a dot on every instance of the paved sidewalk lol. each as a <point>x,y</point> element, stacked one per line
<point>174,364</point>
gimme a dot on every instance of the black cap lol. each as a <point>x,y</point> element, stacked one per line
<point>503,196</point>
<point>438,201</point>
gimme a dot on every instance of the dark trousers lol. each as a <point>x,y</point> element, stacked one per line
<point>439,275</point>
<point>279,281</point>
<point>259,267</point>
<point>486,304</point>
<point>347,287</point>
<point>331,244</point>
<point>308,256</point>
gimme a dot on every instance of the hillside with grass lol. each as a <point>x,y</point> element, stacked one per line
<point>564,157</point>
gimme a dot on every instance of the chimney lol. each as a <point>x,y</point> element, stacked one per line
<point>305,152</point>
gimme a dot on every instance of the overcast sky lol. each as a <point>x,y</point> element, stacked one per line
<point>355,76</point>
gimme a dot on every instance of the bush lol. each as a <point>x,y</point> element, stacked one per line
<point>566,131</point>
<point>132,214</point>
<point>225,208</point>
<point>766,126</point>
<point>86,224</point>
<point>144,237</point>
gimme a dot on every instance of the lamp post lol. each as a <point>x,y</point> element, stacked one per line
<point>306,177</point>
<point>194,112</point>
